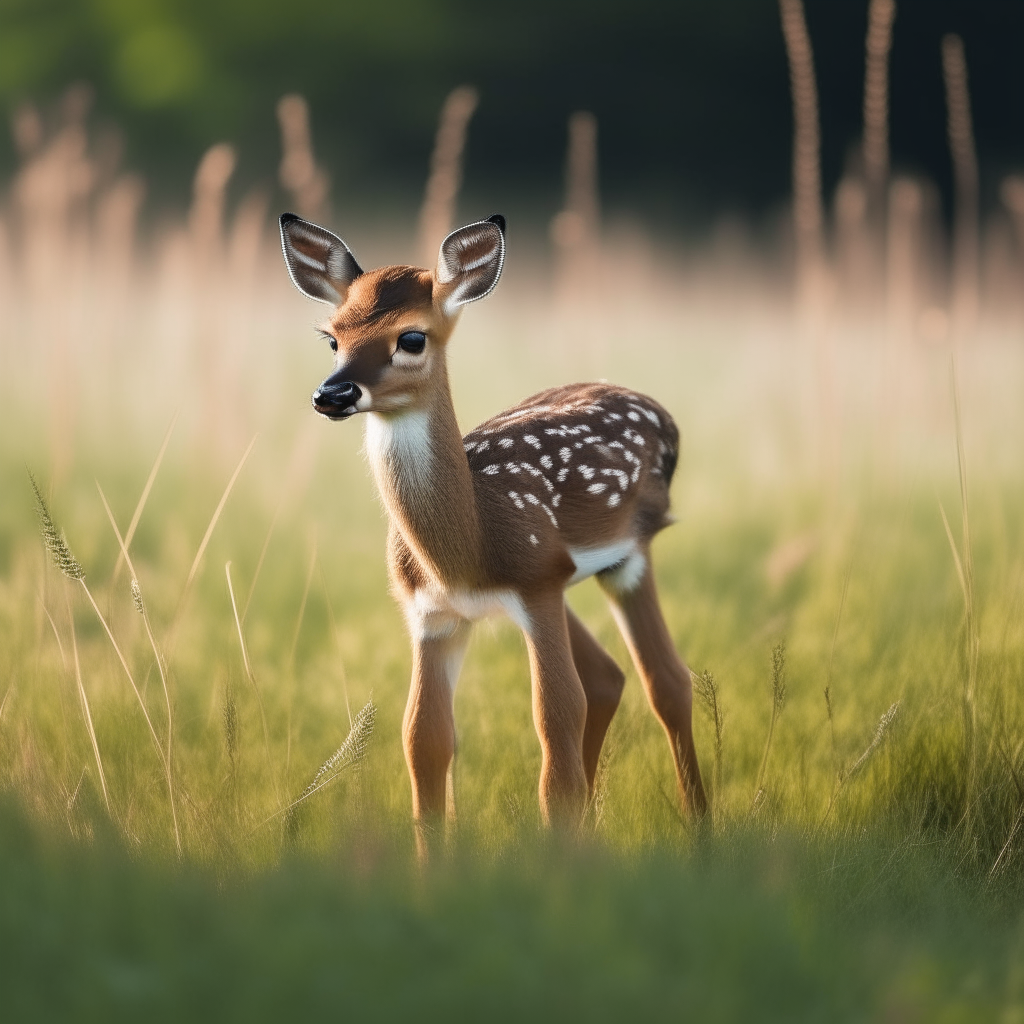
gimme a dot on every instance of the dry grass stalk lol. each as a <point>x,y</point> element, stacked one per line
<point>903,261</point>
<point>575,230</point>
<point>706,689</point>
<point>140,607</point>
<point>808,213</point>
<point>252,679</point>
<point>206,217</point>
<point>778,685</point>
<point>878,44</point>
<point>964,562</point>
<point>1011,192</point>
<point>831,657</point>
<point>337,641</point>
<point>86,710</point>
<point>144,497</point>
<point>965,175</point>
<point>298,173</point>
<point>302,606</point>
<point>7,697</point>
<point>438,211</point>
<point>172,635</point>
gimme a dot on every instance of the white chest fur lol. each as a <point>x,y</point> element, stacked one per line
<point>399,446</point>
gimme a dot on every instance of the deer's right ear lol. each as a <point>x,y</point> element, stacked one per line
<point>319,263</point>
<point>469,263</point>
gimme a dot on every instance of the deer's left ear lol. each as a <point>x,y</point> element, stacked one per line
<point>469,263</point>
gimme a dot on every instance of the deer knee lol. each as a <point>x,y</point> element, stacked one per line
<point>429,742</point>
<point>671,695</point>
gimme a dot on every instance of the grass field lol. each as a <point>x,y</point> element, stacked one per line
<point>865,863</point>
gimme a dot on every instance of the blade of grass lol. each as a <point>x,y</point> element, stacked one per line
<point>252,679</point>
<point>956,554</point>
<point>302,606</point>
<point>7,697</point>
<point>173,633</point>
<point>144,497</point>
<point>85,708</point>
<point>337,642</point>
<point>263,555</point>
<point>140,604</point>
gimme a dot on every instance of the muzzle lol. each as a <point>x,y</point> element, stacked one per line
<point>336,399</point>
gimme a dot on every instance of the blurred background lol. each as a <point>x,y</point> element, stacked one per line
<point>692,98</point>
<point>862,160</point>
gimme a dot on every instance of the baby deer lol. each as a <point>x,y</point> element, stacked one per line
<point>571,483</point>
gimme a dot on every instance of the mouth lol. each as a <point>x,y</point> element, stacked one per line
<point>335,412</point>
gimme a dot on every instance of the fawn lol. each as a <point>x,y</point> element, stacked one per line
<point>571,483</point>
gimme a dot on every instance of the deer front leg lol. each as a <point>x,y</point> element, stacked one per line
<point>428,729</point>
<point>559,712</point>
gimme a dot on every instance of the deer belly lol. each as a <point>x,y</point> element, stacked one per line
<point>435,613</point>
<point>621,554</point>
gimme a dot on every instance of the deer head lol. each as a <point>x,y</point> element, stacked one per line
<point>390,327</point>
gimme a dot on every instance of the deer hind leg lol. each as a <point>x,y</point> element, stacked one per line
<point>428,729</point>
<point>602,681</point>
<point>634,601</point>
<point>559,712</point>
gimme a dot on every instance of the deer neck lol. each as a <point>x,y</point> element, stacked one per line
<point>425,483</point>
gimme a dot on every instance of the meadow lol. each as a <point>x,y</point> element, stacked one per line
<point>205,810</point>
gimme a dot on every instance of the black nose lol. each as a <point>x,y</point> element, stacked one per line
<point>336,396</point>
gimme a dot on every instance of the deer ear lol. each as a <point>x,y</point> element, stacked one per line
<point>469,263</point>
<point>319,263</point>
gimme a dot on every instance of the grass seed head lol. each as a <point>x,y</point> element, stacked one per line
<point>778,677</point>
<point>352,751</point>
<point>706,689</point>
<point>230,723</point>
<point>137,597</point>
<point>55,542</point>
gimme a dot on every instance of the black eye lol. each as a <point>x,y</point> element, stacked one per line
<point>412,341</point>
<point>333,342</point>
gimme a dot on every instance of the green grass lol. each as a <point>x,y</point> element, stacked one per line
<point>891,892</point>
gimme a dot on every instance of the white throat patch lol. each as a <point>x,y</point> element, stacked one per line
<point>399,445</point>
